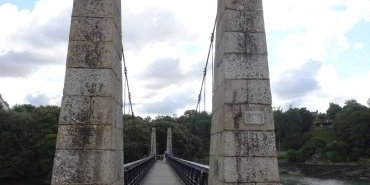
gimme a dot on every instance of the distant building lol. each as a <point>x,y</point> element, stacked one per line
<point>3,104</point>
<point>323,123</point>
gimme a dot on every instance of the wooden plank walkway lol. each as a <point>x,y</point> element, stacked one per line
<point>162,174</point>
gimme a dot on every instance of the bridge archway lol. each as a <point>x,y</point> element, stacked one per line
<point>90,135</point>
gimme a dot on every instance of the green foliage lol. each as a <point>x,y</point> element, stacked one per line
<point>292,156</point>
<point>27,142</point>
<point>292,127</point>
<point>136,138</point>
<point>337,151</point>
<point>190,136</point>
<point>347,140</point>
<point>28,135</point>
<point>283,155</point>
<point>352,127</point>
<point>312,147</point>
<point>323,133</point>
<point>333,110</point>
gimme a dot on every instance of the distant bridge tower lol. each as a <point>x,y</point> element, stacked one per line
<point>153,142</point>
<point>242,135</point>
<point>169,140</point>
<point>89,147</point>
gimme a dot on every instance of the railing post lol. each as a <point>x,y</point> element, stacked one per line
<point>190,173</point>
<point>153,142</point>
<point>169,140</point>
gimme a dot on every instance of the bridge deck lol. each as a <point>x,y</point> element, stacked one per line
<point>162,174</point>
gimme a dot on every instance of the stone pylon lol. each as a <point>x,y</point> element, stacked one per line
<point>89,147</point>
<point>153,142</point>
<point>242,147</point>
<point>169,140</point>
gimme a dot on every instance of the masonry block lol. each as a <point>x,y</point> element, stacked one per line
<point>230,91</point>
<point>95,29</point>
<point>218,120</point>
<point>216,143</point>
<point>119,117</point>
<point>94,8</point>
<point>85,137</point>
<point>242,4</point>
<point>95,55</point>
<point>239,42</point>
<point>243,66</point>
<point>83,167</point>
<point>248,117</point>
<point>242,21</point>
<point>82,110</point>
<point>89,82</point>
<point>259,92</point>
<point>251,169</point>
<point>117,140</point>
<point>248,144</point>
<point>219,78</point>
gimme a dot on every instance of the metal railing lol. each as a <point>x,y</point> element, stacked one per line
<point>191,173</point>
<point>158,157</point>
<point>136,171</point>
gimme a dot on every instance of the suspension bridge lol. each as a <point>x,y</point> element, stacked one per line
<point>89,147</point>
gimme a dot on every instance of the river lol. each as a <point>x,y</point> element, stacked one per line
<point>302,180</point>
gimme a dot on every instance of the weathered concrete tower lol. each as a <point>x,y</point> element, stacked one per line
<point>242,135</point>
<point>169,140</point>
<point>89,146</point>
<point>153,142</point>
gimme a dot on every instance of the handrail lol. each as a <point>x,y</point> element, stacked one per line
<point>136,171</point>
<point>191,173</point>
<point>131,165</point>
<point>194,164</point>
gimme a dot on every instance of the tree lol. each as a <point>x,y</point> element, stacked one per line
<point>293,127</point>
<point>353,105</point>
<point>368,102</point>
<point>136,138</point>
<point>352,128</point>
<point>27,143</point>
<point>333,110</point>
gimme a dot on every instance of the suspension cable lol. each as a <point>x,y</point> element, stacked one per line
<point>127,84</point>
<point>124,100</point>
<point>206,67</point>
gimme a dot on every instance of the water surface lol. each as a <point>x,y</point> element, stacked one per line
<point>301,180</point>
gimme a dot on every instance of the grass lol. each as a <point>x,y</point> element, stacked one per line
<point>283,155</point>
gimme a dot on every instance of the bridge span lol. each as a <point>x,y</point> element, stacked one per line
<point>174,171</point>
<point>162,174</point>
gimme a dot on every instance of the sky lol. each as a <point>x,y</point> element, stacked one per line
<point>319,52</point>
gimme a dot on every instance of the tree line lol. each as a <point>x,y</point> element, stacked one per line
<point>341,134</point>
<point>28,136</point>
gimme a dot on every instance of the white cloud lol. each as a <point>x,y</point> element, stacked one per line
<point>315,30</point>
<point>33,49</point>
<point>34,38</point>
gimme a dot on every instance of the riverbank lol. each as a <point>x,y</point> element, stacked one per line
<point>327,170</point>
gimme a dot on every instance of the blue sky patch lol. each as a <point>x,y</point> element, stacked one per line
<point>192,49</point>
<point>21,4</point>
<point>340,7</point>
<point>355,60</point>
